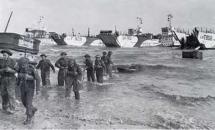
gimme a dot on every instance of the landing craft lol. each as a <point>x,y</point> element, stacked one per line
<point>20,44</point>
<point>39,32</point>
<point>133,38</point>
<point>171,37</point>
<point>76,40</point>
<point>199,38</point>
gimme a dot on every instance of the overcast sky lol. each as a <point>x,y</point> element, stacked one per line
<point>63,15</point>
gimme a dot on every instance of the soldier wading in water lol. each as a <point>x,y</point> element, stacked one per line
<point>62,64</point>
<point>28,78</point>
<point>90,68</point>
<point>99,68</point>
<point>44,66</point>
<point>73,79</point>
<point>7,82</point>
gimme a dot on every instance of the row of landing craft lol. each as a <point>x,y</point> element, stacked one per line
<point>106,38</point>
<point>134,38</point>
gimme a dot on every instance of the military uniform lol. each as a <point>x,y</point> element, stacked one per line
<point>90,69</point>
<point>62,64</point>
<point>73,79</point>
<point>8,83</point>
<point>44,66</point>
<point>99,67</point>
<point>104,58</point>
<point>109,65</point>
<point>28,78</point>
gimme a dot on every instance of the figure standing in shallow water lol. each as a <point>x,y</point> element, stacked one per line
<point>62,64</point>
<point>73,79</point>
<point>44,66</point>
<point>7,82</point>
<point>90,68</point>
<point>105,61</point>
<point>109,64</point>
<point>99,68</point>
<point>28,78</point>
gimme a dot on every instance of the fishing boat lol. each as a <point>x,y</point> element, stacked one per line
<point>39,32</point>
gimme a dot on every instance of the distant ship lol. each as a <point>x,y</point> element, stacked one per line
<point>39,32</point>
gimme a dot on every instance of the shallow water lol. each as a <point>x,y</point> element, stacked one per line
<point>169,92</point>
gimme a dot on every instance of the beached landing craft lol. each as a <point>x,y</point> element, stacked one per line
<point>116,40</point>
<point>39,32</point>
<point>76,40</point>
<point>134,37</point>
<point>170,37</point>
<point>199,38</point>
<point>93,41</point>
<point>19,43</point>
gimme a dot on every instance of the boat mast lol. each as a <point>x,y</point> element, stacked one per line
<point>73,33</point>
<point>170,20</point>
<point>88,32</point>
<point>5,30</point>
<point>139,24</point>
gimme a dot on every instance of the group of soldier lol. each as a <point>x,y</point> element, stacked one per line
<point>27,80</point>
<point>23,84</point>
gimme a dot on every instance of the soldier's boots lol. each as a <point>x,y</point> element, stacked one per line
<point>34,111</point>
<point>28,120</point>
<point>77,95</point>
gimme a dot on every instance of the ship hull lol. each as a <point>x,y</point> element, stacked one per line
<point>151,43</point>
<point>94,41</point>
<point>75,40</point>
<point>207,39</point>
<point>109,40</point>
<point>122,41</point>
<point>46,41</point>
<point>19,42</point>
<point>141,39</point>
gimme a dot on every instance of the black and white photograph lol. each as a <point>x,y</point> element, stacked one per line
<point>107,64</point>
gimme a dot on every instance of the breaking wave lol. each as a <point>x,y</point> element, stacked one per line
<point>179,99</point>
